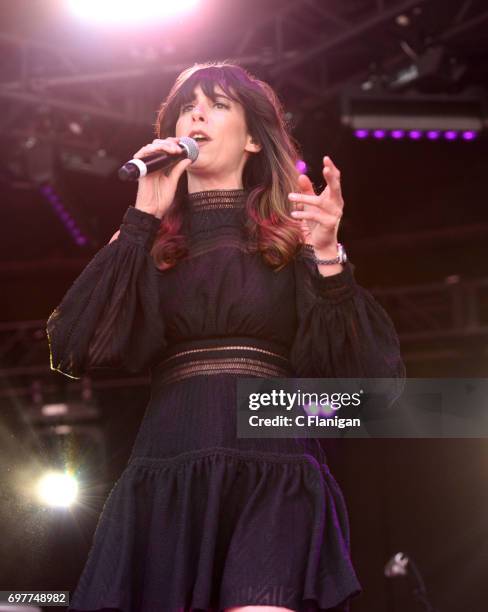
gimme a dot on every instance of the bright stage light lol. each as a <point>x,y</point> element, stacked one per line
<point>128,11</point>
<point>57,489</point>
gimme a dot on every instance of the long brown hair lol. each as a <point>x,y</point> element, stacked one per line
<point>268,175</point>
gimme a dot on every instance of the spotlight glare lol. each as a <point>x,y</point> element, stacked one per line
<point>57,489</point>
<point>433,134</point>
<point>75,128</point>
<point>450,135</point>
<point>361,133</point>
<point>402,20</point>
<point>397,134</point>
<point>301,166</point>
<point>415,134</point>
<point>379,133</point>
<point>50,410</point>
<point>128,11</point>
<point>469,135</point>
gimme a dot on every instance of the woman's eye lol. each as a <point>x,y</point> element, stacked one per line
<point>187,107</point>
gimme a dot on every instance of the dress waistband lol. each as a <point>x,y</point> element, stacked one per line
<point>243,356</point>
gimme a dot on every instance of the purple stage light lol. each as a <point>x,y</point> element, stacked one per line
<point>301,166</point>
<point>361,133</point>
<point>450,135</point>
<point>415,134</point>
<point>379,133</point>
<point>397,134</point>
<point>69,223</point>
<point>433,134</point>
<point>469,135</point>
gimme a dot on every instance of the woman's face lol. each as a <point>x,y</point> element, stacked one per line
<point>222,121</point>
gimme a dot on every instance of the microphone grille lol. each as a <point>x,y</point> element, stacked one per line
<point>191,147</point>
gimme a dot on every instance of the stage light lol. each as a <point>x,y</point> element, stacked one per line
<point>301,166</point>
<point>54,200</point>
<point>363,112</point>
<point>415,134</point>
<point>402,20</point>
<point>57,489</point>
<point>75,128</point>
<point>50,410</point>
<point>127,11</point>
<point>361,133</point>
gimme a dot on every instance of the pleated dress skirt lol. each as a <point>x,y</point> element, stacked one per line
<point>202,520</point>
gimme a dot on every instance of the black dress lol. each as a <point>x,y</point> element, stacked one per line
<point>201,519</point>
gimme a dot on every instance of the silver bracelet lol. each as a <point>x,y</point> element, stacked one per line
<point>341,257</point>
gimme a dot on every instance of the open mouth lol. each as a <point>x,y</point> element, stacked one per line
<point>200,138</point>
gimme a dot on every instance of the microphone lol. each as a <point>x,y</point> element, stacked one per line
<point>134,169</point>
<point>397,565</point>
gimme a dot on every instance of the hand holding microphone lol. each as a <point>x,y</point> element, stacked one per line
<point>157,188</point>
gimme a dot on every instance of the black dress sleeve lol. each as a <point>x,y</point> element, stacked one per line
<point>110,316</point>
<point>343,332</point>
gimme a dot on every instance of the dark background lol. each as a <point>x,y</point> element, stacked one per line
<point>415,217</point>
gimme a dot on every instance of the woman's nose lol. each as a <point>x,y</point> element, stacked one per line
<point>198,113</point>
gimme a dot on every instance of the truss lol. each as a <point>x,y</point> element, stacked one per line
<point>303,41</point>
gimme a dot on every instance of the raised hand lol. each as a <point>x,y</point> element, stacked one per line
<point>321,214</point>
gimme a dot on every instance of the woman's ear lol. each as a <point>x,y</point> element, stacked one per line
<point>252,145</point>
